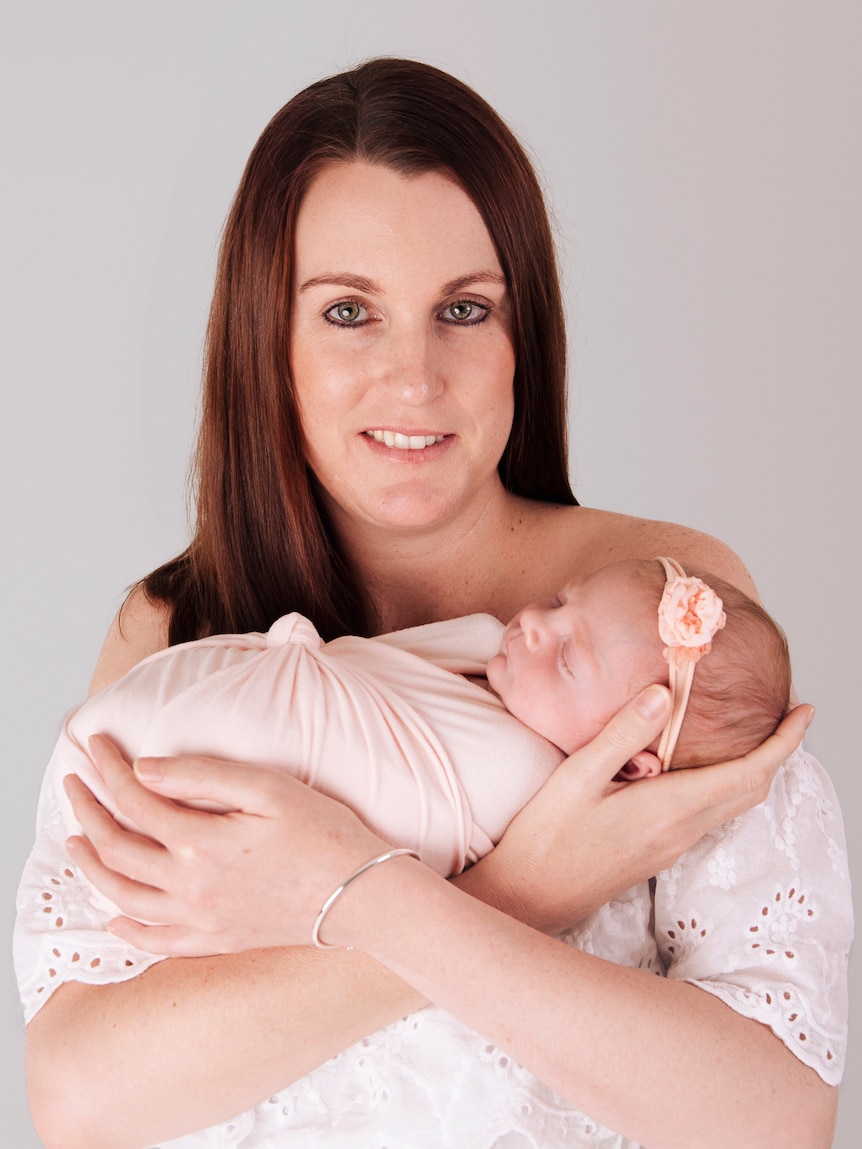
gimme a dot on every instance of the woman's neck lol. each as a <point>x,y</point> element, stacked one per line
<point>465,566</point>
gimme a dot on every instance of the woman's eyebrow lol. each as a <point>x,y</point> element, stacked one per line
<point>474,277</point>
<point>362,283</point>
<point>342,279</point>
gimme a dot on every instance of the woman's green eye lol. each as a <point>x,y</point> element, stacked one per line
<point>347,312</point>
<point>466,312</point>
<point>461,310</point>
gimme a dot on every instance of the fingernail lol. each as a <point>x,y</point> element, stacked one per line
<point>653,702</point>
<point>809,718</point>
<point>150,769</point>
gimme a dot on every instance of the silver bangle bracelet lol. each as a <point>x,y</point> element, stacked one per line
<point>336,894</point>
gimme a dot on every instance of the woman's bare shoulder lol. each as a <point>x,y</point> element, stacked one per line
<point>139,629</point>
<point>597,537</point>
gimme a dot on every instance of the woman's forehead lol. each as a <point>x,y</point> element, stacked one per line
<point>358,216</point>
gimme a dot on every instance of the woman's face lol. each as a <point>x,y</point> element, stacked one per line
<point>401,347</point>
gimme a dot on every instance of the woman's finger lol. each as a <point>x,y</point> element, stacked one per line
<point>780,745</point>
<point>172,941</point>
<point>119,850</point>
<point>734,787</point>
<point>572,847</point>
<point>156,815</point>
<point>212,783</point>
<point>631,730</point>
<point>235,881</point>
<point>132,897</point>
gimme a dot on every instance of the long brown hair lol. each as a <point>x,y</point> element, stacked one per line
<point>263,545</point>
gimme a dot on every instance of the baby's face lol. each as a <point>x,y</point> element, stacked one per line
<point>566,666</point>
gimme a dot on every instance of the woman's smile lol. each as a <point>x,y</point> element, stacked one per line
<point>406,447</point>
<point>410,441</point>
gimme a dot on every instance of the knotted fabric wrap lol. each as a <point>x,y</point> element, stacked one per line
<point>689,615</point>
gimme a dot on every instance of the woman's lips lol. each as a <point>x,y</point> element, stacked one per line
<point>403,442</point>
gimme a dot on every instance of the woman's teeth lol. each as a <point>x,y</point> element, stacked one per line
<point>405,442</point>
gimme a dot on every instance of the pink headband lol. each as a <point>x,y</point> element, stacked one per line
<point>689,615</point>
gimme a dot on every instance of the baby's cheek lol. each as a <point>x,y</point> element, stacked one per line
<point>550,716</point>
<point>498,677</point>
<point>520,700</point>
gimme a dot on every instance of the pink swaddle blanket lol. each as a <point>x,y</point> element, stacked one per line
<point>390,726</point>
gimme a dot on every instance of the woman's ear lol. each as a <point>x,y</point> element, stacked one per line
<point>642,765</point>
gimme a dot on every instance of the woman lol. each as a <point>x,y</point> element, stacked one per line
<point>383,444</point>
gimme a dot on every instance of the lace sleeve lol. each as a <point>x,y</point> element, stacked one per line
<point>765,900</point>
<point>59,930</point>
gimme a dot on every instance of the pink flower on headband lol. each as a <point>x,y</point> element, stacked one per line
<point>689,614</point>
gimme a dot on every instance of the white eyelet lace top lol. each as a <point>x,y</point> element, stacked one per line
<point>757,913</point>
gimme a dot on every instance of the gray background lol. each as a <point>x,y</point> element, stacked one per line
<point>703,165</point>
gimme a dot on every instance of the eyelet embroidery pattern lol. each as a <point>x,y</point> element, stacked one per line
<point>429,1072</point>
<point>60,929</point>
<point>716,849</point>
<point>686,933</point>
<point>424,1082</point>
<point>722,869</point>
<point>790,1014</point>
<point>802,789</point>
<point>773,934</point>
<point>627,920</point>
<point>66,956</point>
<point>795,1015</point>
<point>828,818</point>
<point>773,941</point>
<point>784,959</point>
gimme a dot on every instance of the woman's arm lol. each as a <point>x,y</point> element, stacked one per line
<point>130,1030</point>
<point>213,1036</point>
<point>139,629</point>
<point>705,1074</point>
<point>620,1035</point>
<point>660,1061</point>
<point>193,1042</point>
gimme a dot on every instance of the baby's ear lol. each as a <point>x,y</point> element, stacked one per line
<point>642,765</point>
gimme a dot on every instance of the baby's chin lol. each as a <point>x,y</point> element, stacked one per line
<point>495,674</point>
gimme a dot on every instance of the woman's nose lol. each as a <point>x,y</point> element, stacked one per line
<point>413,367</point>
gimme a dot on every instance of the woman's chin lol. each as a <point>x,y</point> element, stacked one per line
<point>406,512</point>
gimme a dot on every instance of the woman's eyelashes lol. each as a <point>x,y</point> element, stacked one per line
<point>347,313</point>
<point>459,313</point>
<point>465,312</point>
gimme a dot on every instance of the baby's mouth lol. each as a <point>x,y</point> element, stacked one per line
<point>509,635</point>
<point>405,442</point>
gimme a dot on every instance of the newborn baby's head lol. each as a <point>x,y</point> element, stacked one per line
<point>566,666</point>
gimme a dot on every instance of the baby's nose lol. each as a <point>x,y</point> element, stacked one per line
<point>532,624</point>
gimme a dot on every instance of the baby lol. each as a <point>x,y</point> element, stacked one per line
<point>399,728</point>
<point>567,666</point>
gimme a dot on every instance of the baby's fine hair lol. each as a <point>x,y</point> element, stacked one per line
<point>741,688</point>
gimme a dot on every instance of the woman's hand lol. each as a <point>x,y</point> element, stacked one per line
<point>253,876</point>
<point>585,838</point>
<point>448,946</point>
<point>257,875</point>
